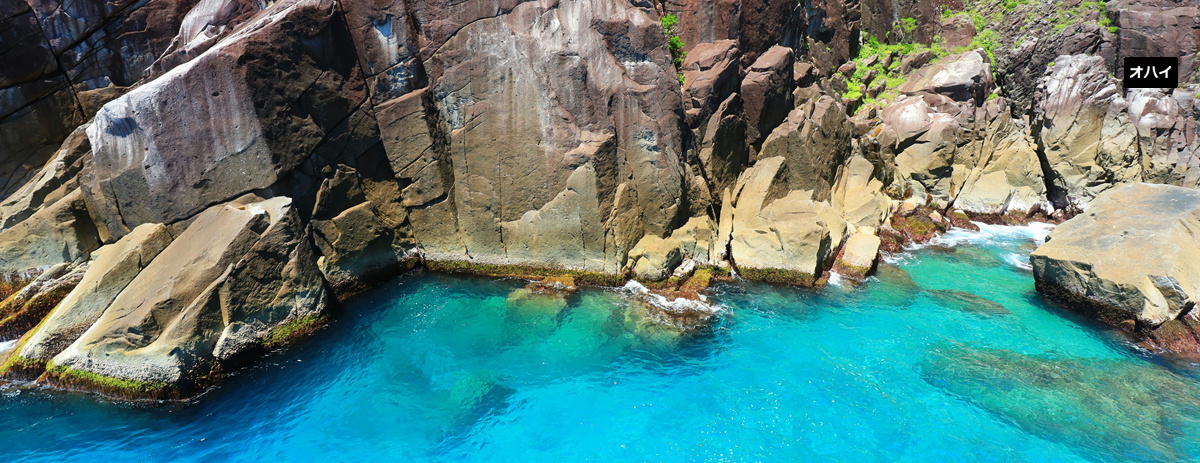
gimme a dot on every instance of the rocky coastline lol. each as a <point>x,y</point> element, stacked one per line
<point>186,186</point>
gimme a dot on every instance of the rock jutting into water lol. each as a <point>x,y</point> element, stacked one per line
<point>1131,260</point>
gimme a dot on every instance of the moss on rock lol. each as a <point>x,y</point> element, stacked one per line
<point>106,385</point>
<point>780,276</point>
<point>290,331</point>
<point>581,277</point>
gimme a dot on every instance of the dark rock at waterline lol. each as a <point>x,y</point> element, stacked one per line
<point>966,302</point>
<point>1130,261</point>
<point>1108,410</point>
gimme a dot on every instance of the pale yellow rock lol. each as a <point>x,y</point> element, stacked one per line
<point>654,258</point>
<point>57,233</point>
<point>858,255</point>
<point>237,272</point>
<point>1134,253</point>
<point>696,239</point>
<point>777,229</point>
<point>112,268</point>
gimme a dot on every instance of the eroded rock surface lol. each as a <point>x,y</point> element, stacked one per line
<point>239,274</point>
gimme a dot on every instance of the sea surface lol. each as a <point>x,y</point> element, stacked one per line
<point>948,355</point>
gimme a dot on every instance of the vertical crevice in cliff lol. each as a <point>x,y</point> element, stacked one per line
<point>1054,192</point>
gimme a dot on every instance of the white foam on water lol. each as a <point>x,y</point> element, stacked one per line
<point>6,345</point>
<point>988,234</point>
<point>678,305</point>
<point>836,279</point>
<point>1020,261</point>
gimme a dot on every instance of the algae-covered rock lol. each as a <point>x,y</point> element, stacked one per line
<point>1109,410</point>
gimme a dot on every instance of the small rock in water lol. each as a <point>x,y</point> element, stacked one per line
<point>563,285</point>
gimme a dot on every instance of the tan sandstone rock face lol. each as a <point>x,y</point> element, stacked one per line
<point>557,158</point>
<point>777,234</point>
<point>1130,258</point>
<point>111,269</point>
<point>654,258</point>
<point>1075,96</point>
<point>240,271</point>
<point>947,144</point>
<point>57,233</point>
<point>858,256</point>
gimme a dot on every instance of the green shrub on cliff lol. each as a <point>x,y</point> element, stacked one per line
<point>670,27</point>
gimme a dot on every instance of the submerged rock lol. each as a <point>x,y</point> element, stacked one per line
<point>966,302</point>
<point>1109,410</point>
<point>679,311</point>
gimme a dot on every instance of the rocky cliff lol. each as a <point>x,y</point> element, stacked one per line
<point>185,184</point>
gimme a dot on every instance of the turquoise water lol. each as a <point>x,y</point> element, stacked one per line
<point>949,355</point>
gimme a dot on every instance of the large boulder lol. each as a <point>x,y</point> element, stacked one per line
<point>244,114</point>
<point>961,77</point>
<point>1131,260</point>
<point>767,90</point>
<point>563,135</point>
<point>775,233</point>
<point>242,275</point>
<point>653,258</point>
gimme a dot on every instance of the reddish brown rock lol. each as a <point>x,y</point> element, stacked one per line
<point>711,74</point>
<point>767,90</point>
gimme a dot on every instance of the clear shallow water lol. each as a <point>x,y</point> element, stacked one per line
<point>949,356</point>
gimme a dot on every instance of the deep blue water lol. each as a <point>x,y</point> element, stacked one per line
<point>442,368</point>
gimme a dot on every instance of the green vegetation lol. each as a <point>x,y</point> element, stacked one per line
<point>125,388</point>
<point>289,331</point>
<point>857,84</point>
<point>988,40</point>
<point>670,27</point>
<point>699,281</point>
